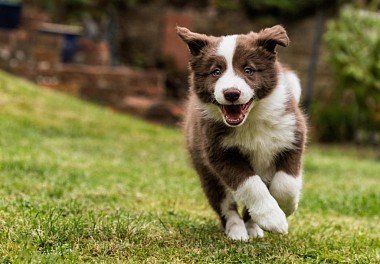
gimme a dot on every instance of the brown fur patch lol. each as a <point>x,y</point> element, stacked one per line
<point>290,161</point>
<point>249,54</point>
<point>203,82</point>
<point>270,37</point>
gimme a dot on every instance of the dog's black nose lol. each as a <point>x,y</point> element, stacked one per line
<point>231,94</point>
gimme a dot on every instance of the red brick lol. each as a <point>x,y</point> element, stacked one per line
<point>172,48</point>
<point>137,105</point>
<point>110,85</point>
<point>92,52</point>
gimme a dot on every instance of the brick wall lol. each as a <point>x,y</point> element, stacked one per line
<point>36,56</point>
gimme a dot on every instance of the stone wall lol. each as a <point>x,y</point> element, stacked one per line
<point>36,57</point>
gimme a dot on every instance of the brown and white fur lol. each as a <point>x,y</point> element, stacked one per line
<point>244,129</point>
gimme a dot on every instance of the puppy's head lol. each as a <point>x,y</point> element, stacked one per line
<point>232,72</point>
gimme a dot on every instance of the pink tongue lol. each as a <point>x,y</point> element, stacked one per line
<point>233,114</point>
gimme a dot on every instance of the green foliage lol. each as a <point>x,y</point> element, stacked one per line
<point>286,8</point>
<point>10,2</point>
<point>353,40</point>
<point>228,5</point>
<point>82,184</point>
<point>289,9</point>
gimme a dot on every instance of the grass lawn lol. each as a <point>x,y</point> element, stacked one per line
<point>79,183</point>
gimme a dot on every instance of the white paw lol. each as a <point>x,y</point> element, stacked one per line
<point>236,230</point>
<point>254,230</point>
<point>270,217</point>
<point>286,189</point>
<point>262,207</point>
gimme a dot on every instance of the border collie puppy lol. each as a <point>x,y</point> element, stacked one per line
<point>244,129</point>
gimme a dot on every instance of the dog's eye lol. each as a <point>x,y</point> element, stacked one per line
<point>216,72</point>
<point>248,70</point>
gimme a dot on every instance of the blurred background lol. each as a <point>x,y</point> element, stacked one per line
<point>125,54</point>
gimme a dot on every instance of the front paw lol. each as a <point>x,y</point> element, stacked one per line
<point>236,230</point>
<point>254,230</point>
<point>270,217</point>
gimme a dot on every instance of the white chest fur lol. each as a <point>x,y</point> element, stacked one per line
<point>267,131</point>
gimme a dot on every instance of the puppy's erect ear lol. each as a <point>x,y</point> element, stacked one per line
<point>270,37</point>
<point>195,41</point>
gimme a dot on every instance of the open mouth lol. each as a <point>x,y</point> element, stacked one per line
<point>235,114</point>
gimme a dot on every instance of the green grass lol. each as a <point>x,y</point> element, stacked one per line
<point>79,183</point>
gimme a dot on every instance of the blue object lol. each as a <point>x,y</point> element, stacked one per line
<point>69,48</point>
<point>10,15</point>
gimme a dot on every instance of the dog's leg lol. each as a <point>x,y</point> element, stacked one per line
<point>286,184</point>
<point>236,172</point>
<point>253,229</point>
<point>286,189</point>
<point>223,204</point>
<point>234,228</point>
<point>262,207</point>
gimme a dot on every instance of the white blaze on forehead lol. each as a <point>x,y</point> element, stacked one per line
<point>227,49</point>
<point>229,78</point>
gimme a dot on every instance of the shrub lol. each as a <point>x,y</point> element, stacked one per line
<point>353,108</point>
<point>289,9</point>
